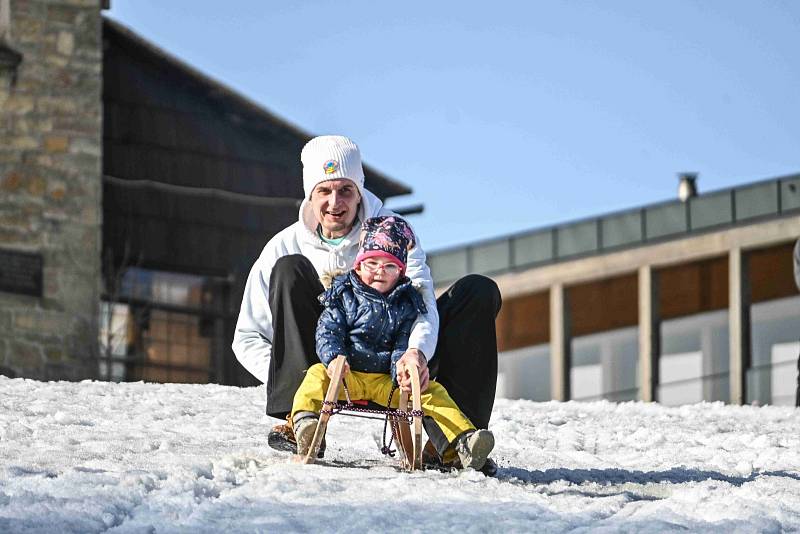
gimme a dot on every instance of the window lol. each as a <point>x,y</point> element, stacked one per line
<point>163,327</point>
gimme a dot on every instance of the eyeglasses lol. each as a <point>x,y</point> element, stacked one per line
<point>374,267</point>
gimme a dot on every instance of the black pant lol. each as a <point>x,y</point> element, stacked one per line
<point>293,290</point>
<point>465,361</point>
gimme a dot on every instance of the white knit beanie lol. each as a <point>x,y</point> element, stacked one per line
<point>331,157</point>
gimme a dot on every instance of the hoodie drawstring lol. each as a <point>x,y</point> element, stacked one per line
<point>340,263</point>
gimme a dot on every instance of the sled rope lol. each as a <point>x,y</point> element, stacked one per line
<point>387,450</point>
<point>336,407</point>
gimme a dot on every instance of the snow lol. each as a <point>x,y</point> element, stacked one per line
<point>136,457</point>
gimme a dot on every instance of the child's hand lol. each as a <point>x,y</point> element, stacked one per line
<point>346,370</point>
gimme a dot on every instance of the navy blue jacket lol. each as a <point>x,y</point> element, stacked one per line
<point>369,328</point>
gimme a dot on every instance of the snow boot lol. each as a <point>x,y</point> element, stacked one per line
<point>304,430</point>
<point>281,438</point>
<point>473,448</point>
<point>432,460</point>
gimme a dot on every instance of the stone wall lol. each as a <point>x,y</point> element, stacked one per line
<point>50,186</point>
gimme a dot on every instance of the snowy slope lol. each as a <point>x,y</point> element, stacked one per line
<point>104,457</point>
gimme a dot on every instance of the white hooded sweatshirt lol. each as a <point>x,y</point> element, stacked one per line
<point>252,341</point>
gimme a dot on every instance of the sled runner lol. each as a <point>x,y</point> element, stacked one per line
<point>407,415</point>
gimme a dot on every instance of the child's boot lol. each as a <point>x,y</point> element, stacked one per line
<point>304,430</point>
<point>474,447</point>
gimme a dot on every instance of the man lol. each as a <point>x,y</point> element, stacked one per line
<point>454,342</point>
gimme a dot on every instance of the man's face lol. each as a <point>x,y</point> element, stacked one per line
<point>335,205</point>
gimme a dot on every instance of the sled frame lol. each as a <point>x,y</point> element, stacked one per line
<point>410,443</point>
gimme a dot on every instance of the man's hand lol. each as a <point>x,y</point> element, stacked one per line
<point>344,372</point>
<point>403,374</point>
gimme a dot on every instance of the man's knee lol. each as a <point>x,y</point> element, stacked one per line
<point>289,264</point>
<point>292,267</point>
<point>481,290</point>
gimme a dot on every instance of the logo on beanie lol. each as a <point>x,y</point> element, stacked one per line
<point>331,166</point>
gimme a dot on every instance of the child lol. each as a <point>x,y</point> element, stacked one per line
<point>367,317</point>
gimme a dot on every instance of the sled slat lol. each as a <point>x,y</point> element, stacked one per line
<point>416,400</point>
<point>331,396</point>
<point>411,445</point>
<point>404,441</point>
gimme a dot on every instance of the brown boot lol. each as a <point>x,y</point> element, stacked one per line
<point>430,456</point>
<point>432,460</point>
<point>281,438</point>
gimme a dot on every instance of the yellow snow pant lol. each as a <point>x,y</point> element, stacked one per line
<point>375,387</point>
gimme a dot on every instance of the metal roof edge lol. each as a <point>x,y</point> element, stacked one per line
<point>594,218</point>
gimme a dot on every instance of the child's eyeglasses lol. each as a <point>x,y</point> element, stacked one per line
<point>374,267</point>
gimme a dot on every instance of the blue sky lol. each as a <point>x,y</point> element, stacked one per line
<point>509,116</point>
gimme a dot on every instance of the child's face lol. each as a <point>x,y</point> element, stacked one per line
<point>379,273</point>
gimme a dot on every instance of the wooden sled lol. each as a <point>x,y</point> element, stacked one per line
<point>410,443</point>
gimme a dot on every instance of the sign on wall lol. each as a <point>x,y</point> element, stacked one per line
<point>21,272</point>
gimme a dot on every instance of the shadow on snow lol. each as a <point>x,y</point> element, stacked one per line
<point>613,476</point>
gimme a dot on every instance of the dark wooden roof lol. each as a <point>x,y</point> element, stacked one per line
<point>197,178</point>
<point>200,231</point>
<point>167,122</point>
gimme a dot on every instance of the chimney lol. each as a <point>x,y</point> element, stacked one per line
<point>687,188</point>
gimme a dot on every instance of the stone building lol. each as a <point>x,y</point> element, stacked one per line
<point>50,187</point>
<point>135,194</point>
<point>681,301</point>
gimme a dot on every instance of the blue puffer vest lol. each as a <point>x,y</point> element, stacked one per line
<point>369,328</point>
